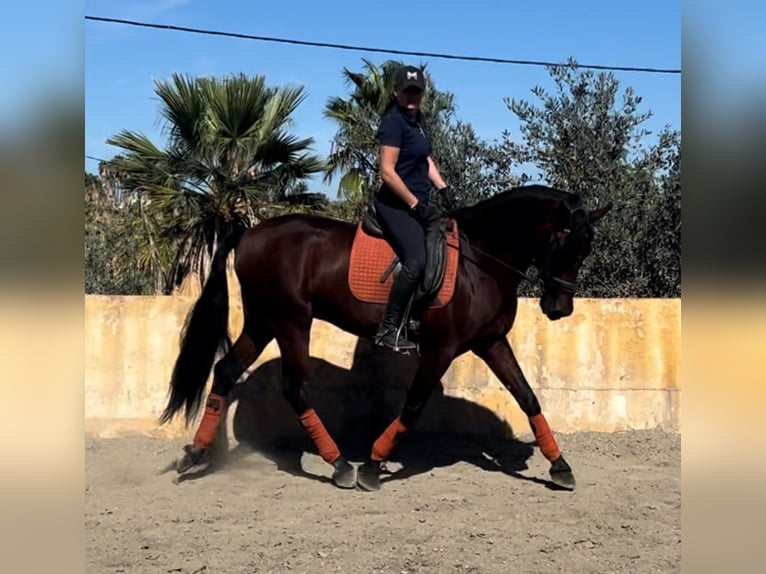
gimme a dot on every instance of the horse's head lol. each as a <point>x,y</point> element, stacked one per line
<point>538,225</point>
<point>561,259</point>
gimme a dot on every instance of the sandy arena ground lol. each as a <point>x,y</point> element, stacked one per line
<point>455,506</point>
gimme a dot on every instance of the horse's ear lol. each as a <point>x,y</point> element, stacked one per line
<point>597,214</point>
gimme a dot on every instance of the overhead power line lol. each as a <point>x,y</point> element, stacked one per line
<point>380,50</point>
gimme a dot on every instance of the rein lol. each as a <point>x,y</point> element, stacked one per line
<point>496,260</point>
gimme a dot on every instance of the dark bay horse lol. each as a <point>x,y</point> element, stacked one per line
<point>295,268</point>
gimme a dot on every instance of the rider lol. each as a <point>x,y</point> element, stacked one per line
<point>407,171</point>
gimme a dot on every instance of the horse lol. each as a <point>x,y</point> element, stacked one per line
<point>295,267</point>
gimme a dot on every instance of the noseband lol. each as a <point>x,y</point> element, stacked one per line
<point>566,286</point>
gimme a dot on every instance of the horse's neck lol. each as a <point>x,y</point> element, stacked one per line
<point>512,233</point>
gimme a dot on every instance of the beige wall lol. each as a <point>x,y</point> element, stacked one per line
<point>612,365</point>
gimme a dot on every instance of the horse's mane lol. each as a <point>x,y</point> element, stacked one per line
<point>504,200</point>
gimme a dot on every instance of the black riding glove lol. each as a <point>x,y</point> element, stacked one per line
<point>449,199</point>
<point>425,213</point>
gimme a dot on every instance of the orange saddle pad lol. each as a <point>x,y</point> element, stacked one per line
<point>372,256</point>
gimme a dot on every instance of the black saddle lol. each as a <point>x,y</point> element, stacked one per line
<point>370,223</point>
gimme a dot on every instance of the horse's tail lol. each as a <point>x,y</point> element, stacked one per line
<point>205,332</point>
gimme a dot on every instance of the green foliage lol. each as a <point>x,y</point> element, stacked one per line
<point>661,256</point>
<point>583,138</point>
<point>110,244</point>
<point>476,169</point>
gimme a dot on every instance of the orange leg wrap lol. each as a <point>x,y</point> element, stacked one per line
<point>545,440</point>
<point>328,450</point>
<point>208,426</point>
<point>387,441</point>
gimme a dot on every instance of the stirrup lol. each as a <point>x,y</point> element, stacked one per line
<point>385,332</point>
<point>393,339</point>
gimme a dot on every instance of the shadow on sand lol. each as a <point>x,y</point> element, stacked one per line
<point>356,405</point>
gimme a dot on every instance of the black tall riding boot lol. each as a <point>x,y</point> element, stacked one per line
<point>389,333</point>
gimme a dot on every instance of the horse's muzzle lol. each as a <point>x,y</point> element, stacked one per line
<point>555,315</point>
<point>556,307</point>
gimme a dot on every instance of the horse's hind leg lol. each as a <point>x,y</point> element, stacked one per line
<point>500,359</point>
<point>293,341</point>
<point>227,371</point>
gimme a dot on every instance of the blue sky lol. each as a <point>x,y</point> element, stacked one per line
<point>121,62</point>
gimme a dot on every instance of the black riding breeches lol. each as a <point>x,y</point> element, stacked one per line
<point>406,237</point>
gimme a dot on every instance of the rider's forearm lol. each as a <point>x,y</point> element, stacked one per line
<point>395,183</point>
<point>434,175</point>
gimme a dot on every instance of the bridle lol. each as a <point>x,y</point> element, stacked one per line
<point>557,241</point>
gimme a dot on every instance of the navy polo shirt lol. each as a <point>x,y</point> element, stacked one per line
<point>400,130</point>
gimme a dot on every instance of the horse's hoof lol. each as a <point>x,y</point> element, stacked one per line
<point>343,476</point>
<point>561,474</point>
<point>368,476</point>
<point>194,461</point>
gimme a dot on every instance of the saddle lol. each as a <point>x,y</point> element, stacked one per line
<point>374,265</point>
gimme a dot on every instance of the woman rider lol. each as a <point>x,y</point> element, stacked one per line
<point>407,171</point>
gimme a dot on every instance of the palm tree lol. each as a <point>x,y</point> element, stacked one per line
<point>228,162</point>
<point>354,152</point>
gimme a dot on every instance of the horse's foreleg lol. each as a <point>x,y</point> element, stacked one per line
<point>294,350</point>
<point>226,373</point>
<point>430,370</point>
<point>500,359</point>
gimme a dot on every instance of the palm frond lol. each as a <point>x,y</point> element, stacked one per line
<point>229,157</point>
<point>353,185</point>
<point>182,106</point>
